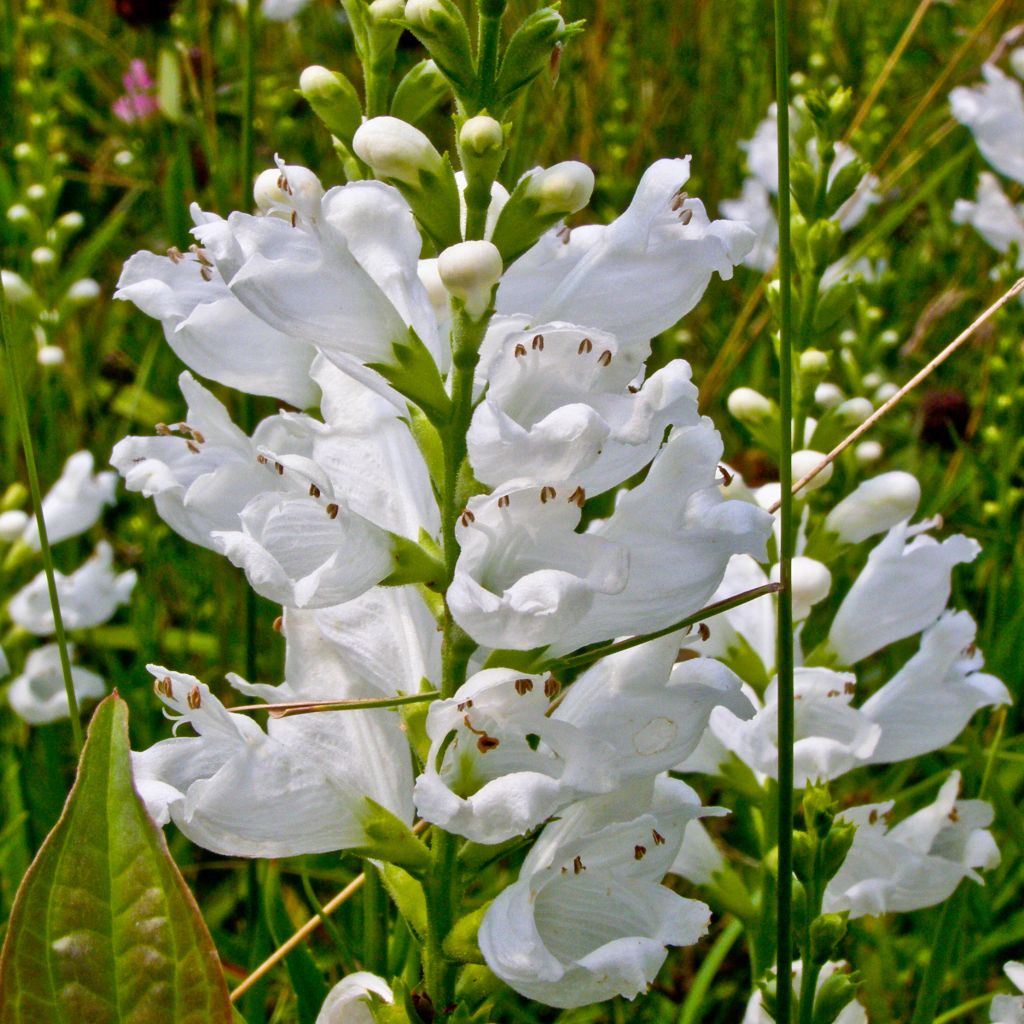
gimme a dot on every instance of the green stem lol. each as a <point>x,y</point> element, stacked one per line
<point>963,1009</point>
<point>488,40</point>
<point>942,946</point>
<point>693,1010</point>
<point>377,81</point>
<point>784,931</point>
<point>375,922</point>
<point>248,98</point>
<point>18,402</point>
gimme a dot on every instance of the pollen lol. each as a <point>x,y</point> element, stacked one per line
<point>547,494</point>
<point>639,852</point>
<point>586,345</point>
<point>523,686</point>
<point>467,517</point>
<point>659,839</point>
<point>578,497</point>
<point>552,687</point>
<point>332,510</point>
<point>605,358</point>
<point>578,865</point>
<point>520,350</point>
<point>538,343</point>
<point>195,698</point>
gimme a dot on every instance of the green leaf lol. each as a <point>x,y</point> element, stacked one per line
<point>104,928</point>
<point>412,372</point>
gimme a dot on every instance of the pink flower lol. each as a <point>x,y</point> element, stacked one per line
<point>139,102</point>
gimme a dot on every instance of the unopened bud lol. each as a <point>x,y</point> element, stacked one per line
<point>83,291</point>
<point>561,189</point>
<point>395,149</point>
<point>16,288</point>
<point>481,134</point>
<point>854,411</point>
<point>334,100</point>
<point>71,221</point>
<point>470,270</point>
<point>868,452</point>
<point>827,395</point>
<point>875,506</point>
<point>836,846</point>
<point>803,462</point>
<point>36,193</point>
<point>436,291</point>
<point>14,497</point>
<point>814,362</point>
<point>837,991</point>
<point>811,583</point>
<point>387,10</point>
<point>1017,61</point>
<point>43,256</point>
<point>885,392</point>
<point>827,932</point>
<point>289,190</point>
<point>530,51</point>
<point>749,406</point>
<point>440,26</point>
<point>12,524</point>
<point>50,355</point>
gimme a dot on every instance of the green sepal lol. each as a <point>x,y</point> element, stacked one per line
<point>843,186</point>
<point>835,848</point>
<point>521,222</point>
<point>435,203</point>
<point>413,373</point>
<point>338,107</point>
<point>398,1012</point>
<point>530,661</point>
<point>823,243</point>
<point>803,182</point>
<point>15,496</point>
<point>529,52</point>
<point>446,38</point>
<point>837,991</point>
<point>415,562</point>
<point>475,984</point>
<point>408,896</point>
<point>476,856</point>
<point>422,89</point>
<point>827,931</point>
<point>389,839</point>
<point>431,447</point>
<point>817,811</point>
<point>461,942</point>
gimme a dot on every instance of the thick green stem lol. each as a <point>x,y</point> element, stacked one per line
<point>375,922</point>
<point>784,932</point>
<point>248,98</point>
<point>18,403</point>
<point>488,40</point>
<point>377,80</point>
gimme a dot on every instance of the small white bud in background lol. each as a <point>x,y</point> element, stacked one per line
<point>1017,61</point>
<point>43,256</point>
<point>814,362</point>
<point>19,213</point>
<point>23,151</point>
<point>561,189</point>
<point>124,158</point>
<point>425,13</point>
<point>827,395</point>
<point>875,506</point>
<point>288,189</point>
<point>803,462</point>
<point>847,337</point>
<point>885,392</point>
<point>387,10</point>
<point>889,338</point>
<point>868,452</point>
<point>746,404</point>
<point>12,524</point>
<point>72,221</point>
<point>50,355</point>
<point>395,149</point>
<point>83,291</point>
<point>854,411</point>
<point>872,380</point>
<point>469,270</point>
<point>430,278</point>
<point>36,193</point>
<point>812,583</point>
<point>481,134</point>
<point>16,288</point>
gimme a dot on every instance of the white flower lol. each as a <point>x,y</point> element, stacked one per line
<point>811,583</point>
<point>918,862</point>
<point>999,221</point>
<point>1010,1009</point>
<point>298,787</point>
<point>212,332</point>
<point>635,277</point>
<point>280,10</point>
<point>349,1001</point>
<point>560,406</point>
<point>587,919</point>
<point>875,506</point>
<point>994,112</point>
<point>347,283</point>
<point>38,694</point>
<point>288,191</point>
<point>933,696</point>
<point>901,590</point>
<point>852,1013</point>
<point>831,737</point>
<point>13,523</point>
<point>88,597</point>
<point>526,579</point>
<point>75,501</point>
<point>754,208</point>
<point>5,665</point>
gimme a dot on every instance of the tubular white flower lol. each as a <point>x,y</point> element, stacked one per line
<point>75,501</point>
<point>349,286</point>
<point>349,1001</point>
<point>901,590</point>
<point>1010,1009</point>
<point>994,112</point>
<point>300,787</point>
<point>918,862</point>
<point>831,737</point>
<point>469,271</point>
<point>393,148</point>
<point>875,506</point>
<point>587,919</point>
<point>933,696</point>
<point>212,332</point>
<point>88,597</point>
<point>560,406</point>
<point>38,695</point>
<point>637,276</point>
<point>994,217</point>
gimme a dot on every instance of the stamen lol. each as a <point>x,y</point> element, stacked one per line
<point>523,686</point>
<point>162,429</point>
<point>164,686</point>
<point>295,217</point>
<point>192,447</point>
<point>194,698</point>
<point>503,501</point>
<point>467,517</point>
<point>547,494</point>
<point>552,687</point>
<point>578,865</point>
<point>954,814</point>
<point>262,459</point>
<point>538,343</point>
<point>704,632</point>
<point>197,437</point>
<point>659,839</point>
<point>314,491</point>
<point>685,217</point>
<point>639,852</point>
<point>485,742</point>
<point>278,623</point>
<point>279,468</point>
<point>578,497</point>
<point>632,389</point>
<point>726,475</point>
<point>849,688</point>
<point>174,254</point>
<point>465,705</point>
<point>564,233</point>
<point>332,510</point>
<point>200,256</point>
<point>586,345</point>
<point>520,350</point>
<point>605,358</point>
<point>206,274</point>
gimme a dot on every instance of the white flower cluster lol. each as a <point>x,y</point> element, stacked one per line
<point>994,112</point>
<point>88,597</point>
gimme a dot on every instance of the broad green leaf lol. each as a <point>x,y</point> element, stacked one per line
<point>104,928</point>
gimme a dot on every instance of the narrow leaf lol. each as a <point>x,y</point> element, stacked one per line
<point>104,928</point>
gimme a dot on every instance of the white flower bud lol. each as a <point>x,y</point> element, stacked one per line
<point>1017,61</point>
<point>288,190</point>
<point>748,405</point>
<point>812,582</point>
<point>16,288</point>
<point>469,270</point>
<point>124,158</point>
<point>854,411</point>
<point>803,462</point>
<point>868,452</point>
<point>562,189</point>
<point>425,13</point>
<point>827,395</point>
<point>23,151</point>
<point>71,221</point>
<point>436,291</point>
<point>885,392</point>
<point>19,213</point>
<point>50,355</point>
<point>481,134</point>
<point>387,10</point>
<point>875,506</point>
<point>814,362</point>
<point>83,291</point>
<point>43,256</point>
<point>36,193</point>
<point>395,149</point>
<point>872,380</point>
<point>12,524</point>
